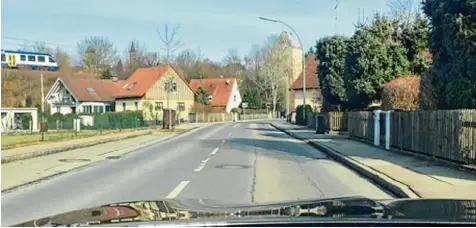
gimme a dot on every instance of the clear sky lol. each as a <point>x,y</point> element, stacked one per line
<point>214,26</point>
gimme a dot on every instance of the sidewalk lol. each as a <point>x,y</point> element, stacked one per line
<point>404,175</point>
<point>27,171</point>
<point>46,148</point>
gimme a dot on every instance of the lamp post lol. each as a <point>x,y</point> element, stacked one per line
<point>303,63</point>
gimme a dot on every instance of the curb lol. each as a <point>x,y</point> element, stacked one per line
<point>131,149</point>
<point>69,147</point>
<point>395,187</point>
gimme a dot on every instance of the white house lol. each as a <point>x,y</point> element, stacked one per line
<point>225,94</point>
<point>79,95</point>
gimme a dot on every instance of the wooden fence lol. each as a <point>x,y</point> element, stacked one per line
<point>228,117</point>
<point>361,125</point>
<point>447,134</point>
<point>336,121</point>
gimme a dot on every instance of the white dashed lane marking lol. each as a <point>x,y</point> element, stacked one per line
<point>177,190</point>
<point>214,151</point>
<point>202,165</point>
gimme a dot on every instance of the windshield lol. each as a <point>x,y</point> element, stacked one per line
<point>236,103</point>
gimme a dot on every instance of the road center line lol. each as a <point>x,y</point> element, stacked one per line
<point>222,142</point>
<point>202,165</point>
<point>177,190</point>
<point>236,125</point>
<point>215,151</point>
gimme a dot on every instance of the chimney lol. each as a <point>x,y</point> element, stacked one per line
<point>221,76</point>
<point>227,81</point>
<point>114,79</point>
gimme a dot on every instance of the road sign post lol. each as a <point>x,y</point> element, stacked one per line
<point>244,105</point>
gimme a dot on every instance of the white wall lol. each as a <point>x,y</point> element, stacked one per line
<point>64,109</point>
<point>9,113</point>
<point>232,103</point>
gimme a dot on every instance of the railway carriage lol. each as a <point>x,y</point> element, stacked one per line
<point>28,60</point>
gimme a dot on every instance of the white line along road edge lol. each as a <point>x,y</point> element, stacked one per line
<point>177,190</point>
<point>214,151</point>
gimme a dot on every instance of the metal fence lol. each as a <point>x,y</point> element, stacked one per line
<point>227,117</point>
<point>447,134</point>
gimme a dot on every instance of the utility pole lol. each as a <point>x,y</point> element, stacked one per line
<point>42,110</point>
<point>171,90</point>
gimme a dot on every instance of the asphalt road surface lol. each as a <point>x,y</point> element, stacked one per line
<point>248,162</point>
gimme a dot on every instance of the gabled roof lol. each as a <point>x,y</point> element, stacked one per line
<point>217,87</point>
<point>311,76</point>
<point>99,90</point>
<point>143,79</point>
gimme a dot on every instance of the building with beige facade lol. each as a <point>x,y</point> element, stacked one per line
<point>313,92</point>
<point>147,89</point>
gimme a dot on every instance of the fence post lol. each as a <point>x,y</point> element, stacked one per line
<point>387,130</point>
<point>376,114</point>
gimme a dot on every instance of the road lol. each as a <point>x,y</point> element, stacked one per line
<point>248,162</point>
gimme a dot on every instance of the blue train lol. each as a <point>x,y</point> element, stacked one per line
<point>28,60</point>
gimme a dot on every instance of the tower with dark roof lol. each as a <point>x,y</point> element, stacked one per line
<point>132,55</point>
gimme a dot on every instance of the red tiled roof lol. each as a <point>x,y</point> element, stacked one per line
<point>142,80</point>
<point>217,87</point>
<point>311,76</point>
<point>101,89</point>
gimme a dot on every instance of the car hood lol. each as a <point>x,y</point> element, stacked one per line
<point>196,210</point>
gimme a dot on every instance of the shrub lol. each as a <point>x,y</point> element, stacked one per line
<point>402,93</point>
<point>300,110</point>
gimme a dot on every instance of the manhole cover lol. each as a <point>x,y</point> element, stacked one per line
<point>74,160</point>
<point>232,166</point>
<point>113,157</point>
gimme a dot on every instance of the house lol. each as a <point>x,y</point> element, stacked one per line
<point>225,94</point>
<point>79,95</point>
<point>147,90</point>
<point>313,92</point>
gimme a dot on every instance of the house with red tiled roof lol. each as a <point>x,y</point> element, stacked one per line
<point>313,92</point>
<point>225,94</point>
<point>147,90</point>
<point>80,95</point>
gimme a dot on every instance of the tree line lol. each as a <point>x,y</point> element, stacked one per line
<point>407,60</point>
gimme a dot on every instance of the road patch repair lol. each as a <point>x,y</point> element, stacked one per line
<point>24,172</point>
<point>394,172</point>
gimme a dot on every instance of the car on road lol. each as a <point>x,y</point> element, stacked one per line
<point>322,212</point>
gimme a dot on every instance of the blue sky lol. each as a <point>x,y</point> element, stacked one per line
<point>214,26</point>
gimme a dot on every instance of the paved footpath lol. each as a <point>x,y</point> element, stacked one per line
<point>245,163</point>
<point>424,177</point>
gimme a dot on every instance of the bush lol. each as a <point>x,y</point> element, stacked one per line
<point>300,110</point>
<point>401,93</point>
<point>119,120</point>
<point>25,121</point>
<point>235,110</point>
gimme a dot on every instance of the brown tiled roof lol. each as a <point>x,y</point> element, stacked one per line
<point>311,76</point>
<point>102,89</point>
<point>142,80</point>
<point>217,87</point>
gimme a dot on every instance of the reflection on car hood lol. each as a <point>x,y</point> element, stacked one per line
<point>158,211</point>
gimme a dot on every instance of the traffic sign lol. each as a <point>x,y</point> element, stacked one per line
<point>244,104</point>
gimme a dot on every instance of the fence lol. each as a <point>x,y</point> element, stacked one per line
<point>335,121</point>
<point>447,134</point>
<point>226,117</point>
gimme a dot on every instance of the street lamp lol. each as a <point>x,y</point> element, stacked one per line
<point>303,61</point>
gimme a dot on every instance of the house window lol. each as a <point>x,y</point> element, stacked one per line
<point>58,109</point>
<point>159,105</point>
<point>98,109</point>
<point>32,58</point>
<point>41,59</point>
<point>90,90</point>
<point>4,58</point>
<point>234,98</point>
<point>22,57</point>
<point>181,106</point>
<point>108,108</point>
<point>87,109</point>
<point>137,105</point>
<point>123,106</point>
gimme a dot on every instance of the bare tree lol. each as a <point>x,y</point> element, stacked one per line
<point>402,10</point>
<point>171,42</point>
<point>97,53</point>
<point>272,75</point>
